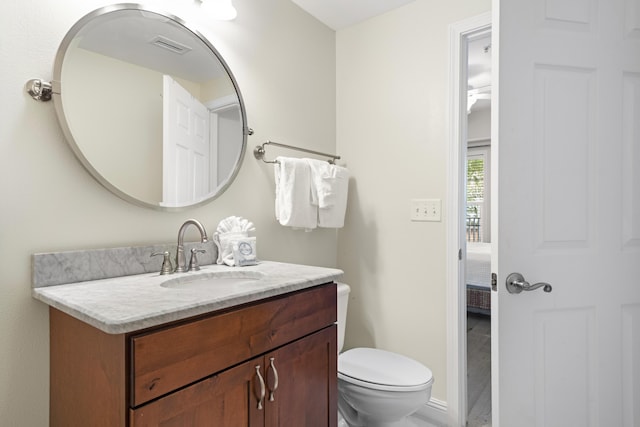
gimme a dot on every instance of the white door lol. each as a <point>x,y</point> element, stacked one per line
<point>186,151</point>
<point>568,144</point>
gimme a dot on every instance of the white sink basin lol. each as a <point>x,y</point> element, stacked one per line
<point>212,279</point>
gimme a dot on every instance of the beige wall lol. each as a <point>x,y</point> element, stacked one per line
<point>392,100</point>
<point>50,203</point>
<point>105,125</point>
<point>479,124</point>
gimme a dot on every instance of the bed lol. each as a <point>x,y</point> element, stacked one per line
<point>478,276</point>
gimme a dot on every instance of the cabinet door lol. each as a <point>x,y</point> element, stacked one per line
<point>229,399</point>
<point>305,392</point>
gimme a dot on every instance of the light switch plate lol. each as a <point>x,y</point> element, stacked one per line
<point>426,210</point>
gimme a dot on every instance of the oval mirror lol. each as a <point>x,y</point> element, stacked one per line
<point>149,107</point>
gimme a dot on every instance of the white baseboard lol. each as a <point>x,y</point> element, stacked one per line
<point>433,414</point>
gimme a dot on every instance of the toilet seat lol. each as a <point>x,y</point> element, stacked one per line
<point>383,370</point>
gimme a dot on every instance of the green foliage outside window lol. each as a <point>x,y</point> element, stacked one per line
<point>475,183</point>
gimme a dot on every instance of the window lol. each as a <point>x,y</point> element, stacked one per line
<point>478,214</point>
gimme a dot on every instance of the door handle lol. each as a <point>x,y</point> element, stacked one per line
<point>517,284</point>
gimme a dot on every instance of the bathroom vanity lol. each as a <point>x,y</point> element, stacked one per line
<point>259,352</point>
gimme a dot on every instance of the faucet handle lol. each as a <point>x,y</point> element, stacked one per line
<point>193,263</point>
<point>167,268</point>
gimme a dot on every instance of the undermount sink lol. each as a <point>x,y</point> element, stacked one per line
<point>211,279</point>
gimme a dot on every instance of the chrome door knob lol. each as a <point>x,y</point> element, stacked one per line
<point>516,284</point>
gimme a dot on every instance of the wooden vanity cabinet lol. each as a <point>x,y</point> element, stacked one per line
<point>210,371</point>
<point>250,395</point>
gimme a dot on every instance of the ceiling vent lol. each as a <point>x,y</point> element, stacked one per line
<point>171,45</point>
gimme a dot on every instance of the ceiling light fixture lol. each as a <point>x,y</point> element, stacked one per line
<point>222,10</point>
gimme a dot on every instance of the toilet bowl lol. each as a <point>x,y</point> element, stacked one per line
<point>377,388</point>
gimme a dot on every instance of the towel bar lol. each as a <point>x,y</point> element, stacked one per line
<point>259,152</point>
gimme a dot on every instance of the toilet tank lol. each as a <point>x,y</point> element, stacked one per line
<point>343,301</point>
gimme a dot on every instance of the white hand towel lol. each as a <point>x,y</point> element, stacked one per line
<point>234,223</point>
<point>322,180</point>
<point>330,185</point>
<point>332,215</point>
<point>293,194</point>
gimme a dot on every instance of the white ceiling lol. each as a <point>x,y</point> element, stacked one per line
<point>130,35</point>
<point>479,62</point>
<point>479,73</point>
<point>339,14</point>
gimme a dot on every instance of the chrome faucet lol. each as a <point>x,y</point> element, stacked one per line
<point>181,263</point>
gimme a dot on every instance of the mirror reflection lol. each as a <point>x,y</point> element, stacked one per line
<point>149,107</point>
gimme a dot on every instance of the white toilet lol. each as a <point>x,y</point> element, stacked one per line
<point>377,388</point>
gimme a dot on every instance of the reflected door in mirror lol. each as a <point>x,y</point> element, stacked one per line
<point>186,152</point>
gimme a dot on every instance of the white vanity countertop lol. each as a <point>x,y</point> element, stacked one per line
<point>130,303</point>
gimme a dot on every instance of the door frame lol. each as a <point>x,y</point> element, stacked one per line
<point>459,35</point>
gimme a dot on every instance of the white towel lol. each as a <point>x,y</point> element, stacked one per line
<point>293,194</point>
<point>322,191</point>
<point>330,185</point>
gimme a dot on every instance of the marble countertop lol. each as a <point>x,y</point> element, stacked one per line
<point>130,303</point>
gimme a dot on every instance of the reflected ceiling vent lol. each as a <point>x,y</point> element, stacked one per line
<point>171,45</point>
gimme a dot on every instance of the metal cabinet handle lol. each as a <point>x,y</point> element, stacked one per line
<point>516,284</point>
<point>262,387</point>
<point>275,379</point>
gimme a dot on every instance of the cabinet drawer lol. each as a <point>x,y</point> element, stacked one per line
<point>168,359</point>
<point>225,399</point>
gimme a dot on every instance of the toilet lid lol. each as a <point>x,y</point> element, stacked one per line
<point>382,368</point>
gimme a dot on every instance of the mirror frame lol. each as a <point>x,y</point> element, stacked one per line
<point>57,100</point>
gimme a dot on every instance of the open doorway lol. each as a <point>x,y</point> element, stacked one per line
<point>477,215</point>
<point>461,35</point>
